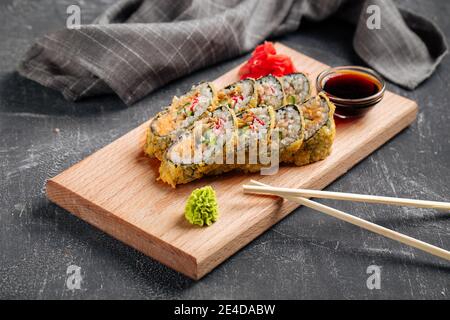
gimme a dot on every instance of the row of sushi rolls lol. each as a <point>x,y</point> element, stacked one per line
<point>206,119</point>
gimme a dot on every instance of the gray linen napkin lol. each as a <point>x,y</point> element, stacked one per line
<point>136,46</point>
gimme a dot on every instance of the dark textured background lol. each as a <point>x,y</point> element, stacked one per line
<point>307,255</point>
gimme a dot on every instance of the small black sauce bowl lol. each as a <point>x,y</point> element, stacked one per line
<point>348,108</point>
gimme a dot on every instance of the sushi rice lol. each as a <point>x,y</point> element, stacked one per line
<point>290,126</point>
<point>296,87</point>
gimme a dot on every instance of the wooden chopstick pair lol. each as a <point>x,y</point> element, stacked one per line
<point>298,195</point>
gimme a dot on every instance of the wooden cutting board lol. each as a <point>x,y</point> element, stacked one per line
<point>115,189</point>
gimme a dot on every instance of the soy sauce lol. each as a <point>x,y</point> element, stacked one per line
<point>351,85</point>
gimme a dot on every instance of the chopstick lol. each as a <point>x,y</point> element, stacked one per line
<point>282,192</point>
<point>388,233</point>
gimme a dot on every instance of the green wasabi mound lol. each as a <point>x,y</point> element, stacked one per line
<point>201,207</point>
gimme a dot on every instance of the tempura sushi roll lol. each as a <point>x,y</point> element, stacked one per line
<point>319,131</point>
<point>256,123</point>
<point>285,138</point>
<point>254,130</point>
<point>270,92</point>
<point>239,96</point>
<point>289,125</point>
<point>202,150</point>
<point>296,87</point>
<point>181,114</point>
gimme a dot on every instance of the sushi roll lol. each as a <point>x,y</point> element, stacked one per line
<point>270,92</point>
<point>290,126</point>
<point>247,126</point>
<point>286,137</point>
<point>180,115</point>
<point>202,150</point>
<point>254,123</point>
<point>319,133</point>
<point>239,96</point>
<point>296,87</point>
<point>254,130</point>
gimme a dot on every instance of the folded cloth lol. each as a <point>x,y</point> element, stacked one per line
<point>136,46</point>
